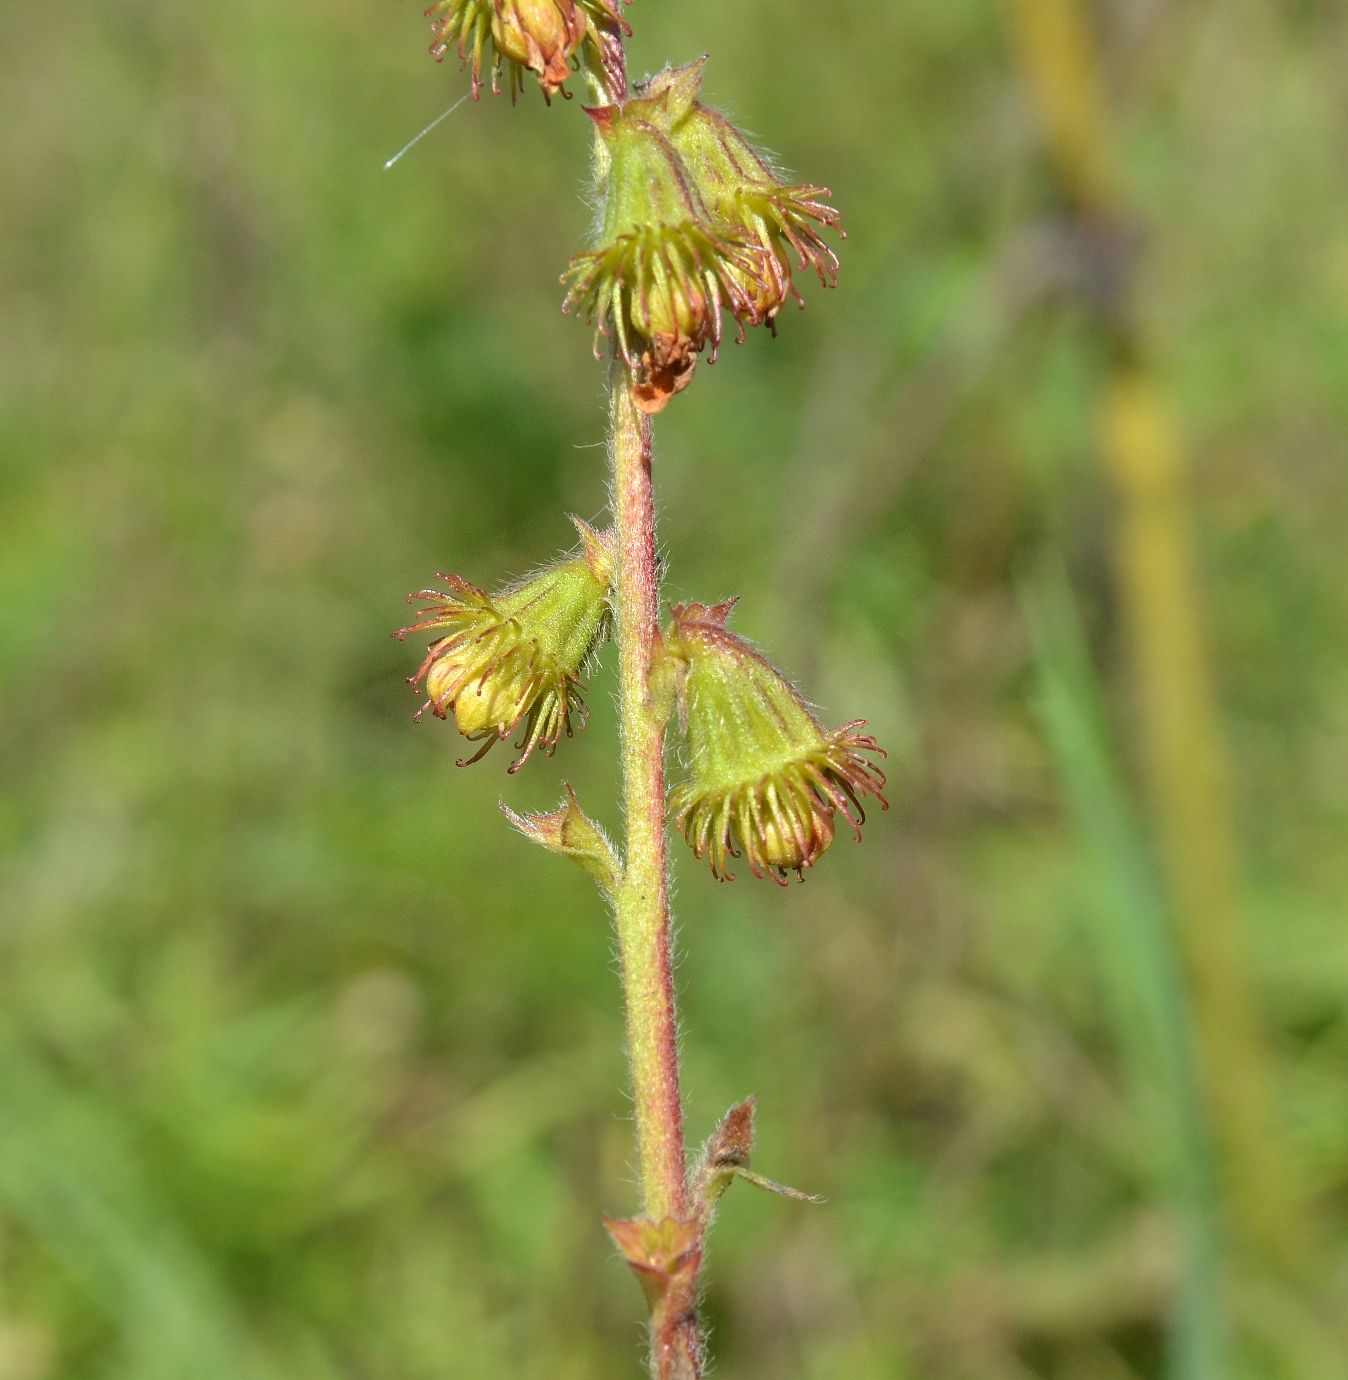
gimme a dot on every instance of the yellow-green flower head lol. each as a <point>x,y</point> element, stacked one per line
<point>512,661</point>
<point>516,37</point>
<point>662,273</point>
<point>740,188</point>
<point>765,777</point>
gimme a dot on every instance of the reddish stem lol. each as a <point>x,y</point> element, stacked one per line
<point>642,900</point>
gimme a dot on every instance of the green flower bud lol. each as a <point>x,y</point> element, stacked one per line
<point>519,36</point>
<point>739,187</point>
<point>512,661</point>
<point>765,777</point>
<point>656,284</point>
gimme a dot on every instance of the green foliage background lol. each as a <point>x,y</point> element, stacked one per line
<point>308,1067</point>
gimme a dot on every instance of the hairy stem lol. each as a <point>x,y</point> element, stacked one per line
<point>641,903</point>
<point>642,900</point>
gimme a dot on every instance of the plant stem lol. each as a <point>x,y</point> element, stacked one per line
<point>641,904</point>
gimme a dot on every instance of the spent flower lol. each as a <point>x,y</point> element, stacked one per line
<point>512,661</point>
<point>515,37</point>
<point>766,779</point>
<point>739,186</point>
<point>662,273</point>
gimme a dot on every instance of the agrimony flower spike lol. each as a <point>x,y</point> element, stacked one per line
<point>738,185</point>
<point>662,273</point>
<point>512,661</point>
<point>515,37</point>
<point>765,778</point>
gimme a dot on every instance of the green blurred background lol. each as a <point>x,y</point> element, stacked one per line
<point>309,1068</point>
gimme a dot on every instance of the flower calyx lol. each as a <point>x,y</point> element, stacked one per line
<point>517,38</point>
<point>570,832</point>
<point>511,661</point>
<point>663,272</point>
<point>746,197</point>
<point>765,778</point>
<point>696,222</point>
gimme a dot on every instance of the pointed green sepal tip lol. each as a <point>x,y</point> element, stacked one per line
<point>569,831</point>
<point>601,549</point>
<point>725,1158</point>
<point>676,88</point>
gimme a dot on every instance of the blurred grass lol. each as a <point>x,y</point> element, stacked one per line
<point>1144,978</point>
<point>308,1066</point>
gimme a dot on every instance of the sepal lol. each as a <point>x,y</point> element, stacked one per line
<point>747,199</point>
<point>601,550</point>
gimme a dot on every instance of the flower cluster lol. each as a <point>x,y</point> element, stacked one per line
<point>517,37</point>
<point>662,274</point>
<point>744,194</point>
<point>512,661</point>
<point>695,222</point>
<point>765,777</point>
